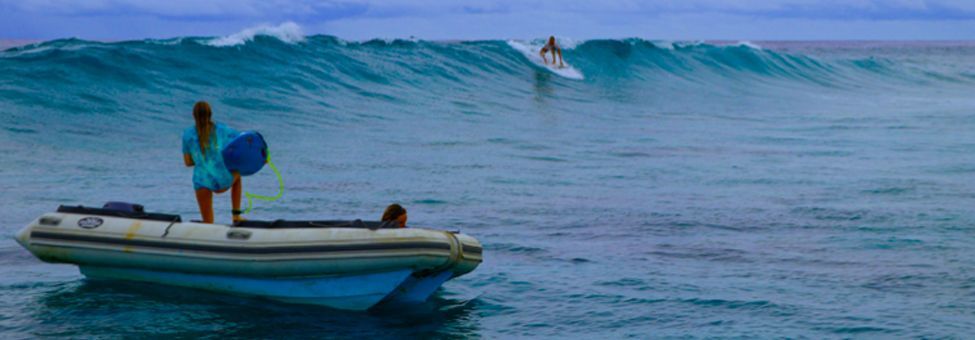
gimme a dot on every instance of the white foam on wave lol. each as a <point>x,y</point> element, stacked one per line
<point>565,43</point>
<point>749,44</point>
<point>663,44</point>
<point>288,32</point>
<point>24,50</point>
<point>530,51</point>
<point>686,44</point>
<point>43,46</point>
<point>166,42</point>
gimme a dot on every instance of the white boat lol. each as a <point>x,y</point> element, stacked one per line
<point>351,265</point>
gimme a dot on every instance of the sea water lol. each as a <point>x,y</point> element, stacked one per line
<point>765,189</point>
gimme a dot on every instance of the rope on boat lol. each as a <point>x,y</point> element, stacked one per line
<point>251,197</point>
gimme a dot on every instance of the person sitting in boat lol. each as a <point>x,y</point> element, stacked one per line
<point>394,217</point>
<point>201,151</point>
<point>551,47</point>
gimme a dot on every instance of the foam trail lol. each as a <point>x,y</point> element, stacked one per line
<point>288,32</point>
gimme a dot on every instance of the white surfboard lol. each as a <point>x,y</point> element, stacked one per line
<point>530,50</point>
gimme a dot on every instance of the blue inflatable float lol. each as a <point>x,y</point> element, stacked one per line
<point>246,154</point>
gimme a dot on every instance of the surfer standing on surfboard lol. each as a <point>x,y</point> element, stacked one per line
<point>551,46</point>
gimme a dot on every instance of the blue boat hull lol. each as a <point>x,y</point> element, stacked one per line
<point>355,292</point>
<point>415,289</point>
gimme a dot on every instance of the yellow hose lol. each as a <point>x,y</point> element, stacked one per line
<point>251,196</point>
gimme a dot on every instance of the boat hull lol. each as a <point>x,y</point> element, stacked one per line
<point>416,289</point>
<point>356,292</point>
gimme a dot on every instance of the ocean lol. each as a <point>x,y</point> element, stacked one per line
<point>674,189</point>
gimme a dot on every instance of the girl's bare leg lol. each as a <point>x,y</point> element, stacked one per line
<point>204,197</point>
<point>235,192</point>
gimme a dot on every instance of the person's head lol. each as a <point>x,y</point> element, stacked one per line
<point>201,114</point>
<point>551,40</point>
<point>395,212</point>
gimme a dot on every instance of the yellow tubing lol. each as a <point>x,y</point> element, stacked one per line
<point>251,196</point>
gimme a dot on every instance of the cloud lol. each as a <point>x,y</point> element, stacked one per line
<point>867,10</point>
<point>809,9</point>
<point>332,10</point>
<point>102,19</point>
<point>192,9</point>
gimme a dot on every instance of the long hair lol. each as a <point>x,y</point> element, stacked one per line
<point>393,211</point>
<point>201,114</point>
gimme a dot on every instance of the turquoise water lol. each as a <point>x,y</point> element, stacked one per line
<point>704,189</point>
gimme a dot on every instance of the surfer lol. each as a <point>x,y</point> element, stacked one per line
<point>554,48</point>
<point>394,216</point>
<point>201,150</point>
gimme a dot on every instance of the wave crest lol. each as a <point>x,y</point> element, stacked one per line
<point>288,32</point>
<point>384,68</point>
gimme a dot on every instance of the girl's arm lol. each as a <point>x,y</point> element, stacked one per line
<point>188,160</point>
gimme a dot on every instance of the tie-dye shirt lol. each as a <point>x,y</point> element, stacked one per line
<point>209,170</point>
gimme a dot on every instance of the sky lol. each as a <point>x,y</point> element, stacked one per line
<point>498,19</point>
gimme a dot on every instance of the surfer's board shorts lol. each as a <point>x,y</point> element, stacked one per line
<point>209,170</point>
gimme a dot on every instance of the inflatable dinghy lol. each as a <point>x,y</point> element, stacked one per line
<point>351,265</point>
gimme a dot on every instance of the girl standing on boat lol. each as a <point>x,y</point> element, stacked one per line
<point>201,150</point>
